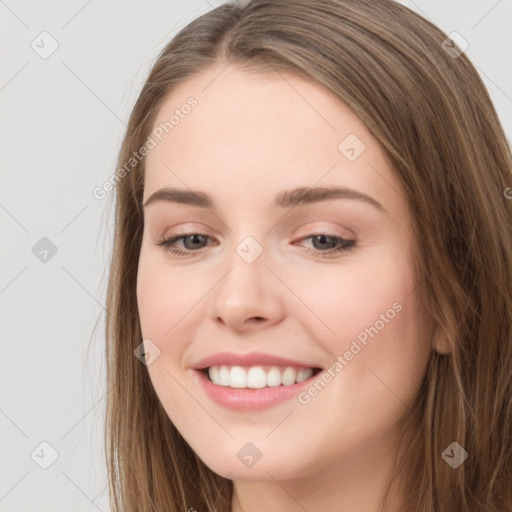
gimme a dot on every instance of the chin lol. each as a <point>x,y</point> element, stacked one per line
<point>247,462</point>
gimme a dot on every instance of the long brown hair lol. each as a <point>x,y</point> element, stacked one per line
<point>433,117</point>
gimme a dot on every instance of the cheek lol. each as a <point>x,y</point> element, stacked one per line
<point>343,301</point>
<point>366,314</point>
<point>164,295</point>
<point>164,298</point>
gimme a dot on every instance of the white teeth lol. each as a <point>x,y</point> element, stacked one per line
<point>273,377</point>
<point>223,379</point>
<point>288,377</point>
<point>237,377</point>
<point>257,377</point>
<point>215,373</point>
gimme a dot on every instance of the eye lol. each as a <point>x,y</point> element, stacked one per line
<point>319,240</point>
<point>169,243</point>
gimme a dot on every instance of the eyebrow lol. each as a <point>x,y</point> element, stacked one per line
<point>285,199</point>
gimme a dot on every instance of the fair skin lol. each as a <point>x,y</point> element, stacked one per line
<point>250,137</point>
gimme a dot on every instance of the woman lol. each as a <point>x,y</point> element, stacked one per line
<point>263,370</point>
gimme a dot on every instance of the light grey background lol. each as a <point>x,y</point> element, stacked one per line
<point>61,123</point>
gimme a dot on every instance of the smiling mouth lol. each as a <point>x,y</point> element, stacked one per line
<point>258,377</point>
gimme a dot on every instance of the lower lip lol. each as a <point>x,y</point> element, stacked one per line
<point>248,398</point>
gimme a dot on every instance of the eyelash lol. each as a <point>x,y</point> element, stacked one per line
<point>344,246</point>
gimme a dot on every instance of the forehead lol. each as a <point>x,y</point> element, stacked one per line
<point>254,134</point>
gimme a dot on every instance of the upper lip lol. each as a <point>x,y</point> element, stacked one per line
<point>247,359</point>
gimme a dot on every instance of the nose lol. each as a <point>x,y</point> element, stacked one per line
<point>248,296</point>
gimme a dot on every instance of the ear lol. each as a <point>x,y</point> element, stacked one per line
<point>442,345</point>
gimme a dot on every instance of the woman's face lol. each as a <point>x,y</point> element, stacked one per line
<point>277,284</point>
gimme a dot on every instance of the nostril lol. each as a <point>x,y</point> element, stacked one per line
<point>256,319</point>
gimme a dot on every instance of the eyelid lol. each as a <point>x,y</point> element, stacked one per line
<point>183,229</point>
<point>305,230</point>
<point>320,228</point>
<point>312,231</point>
